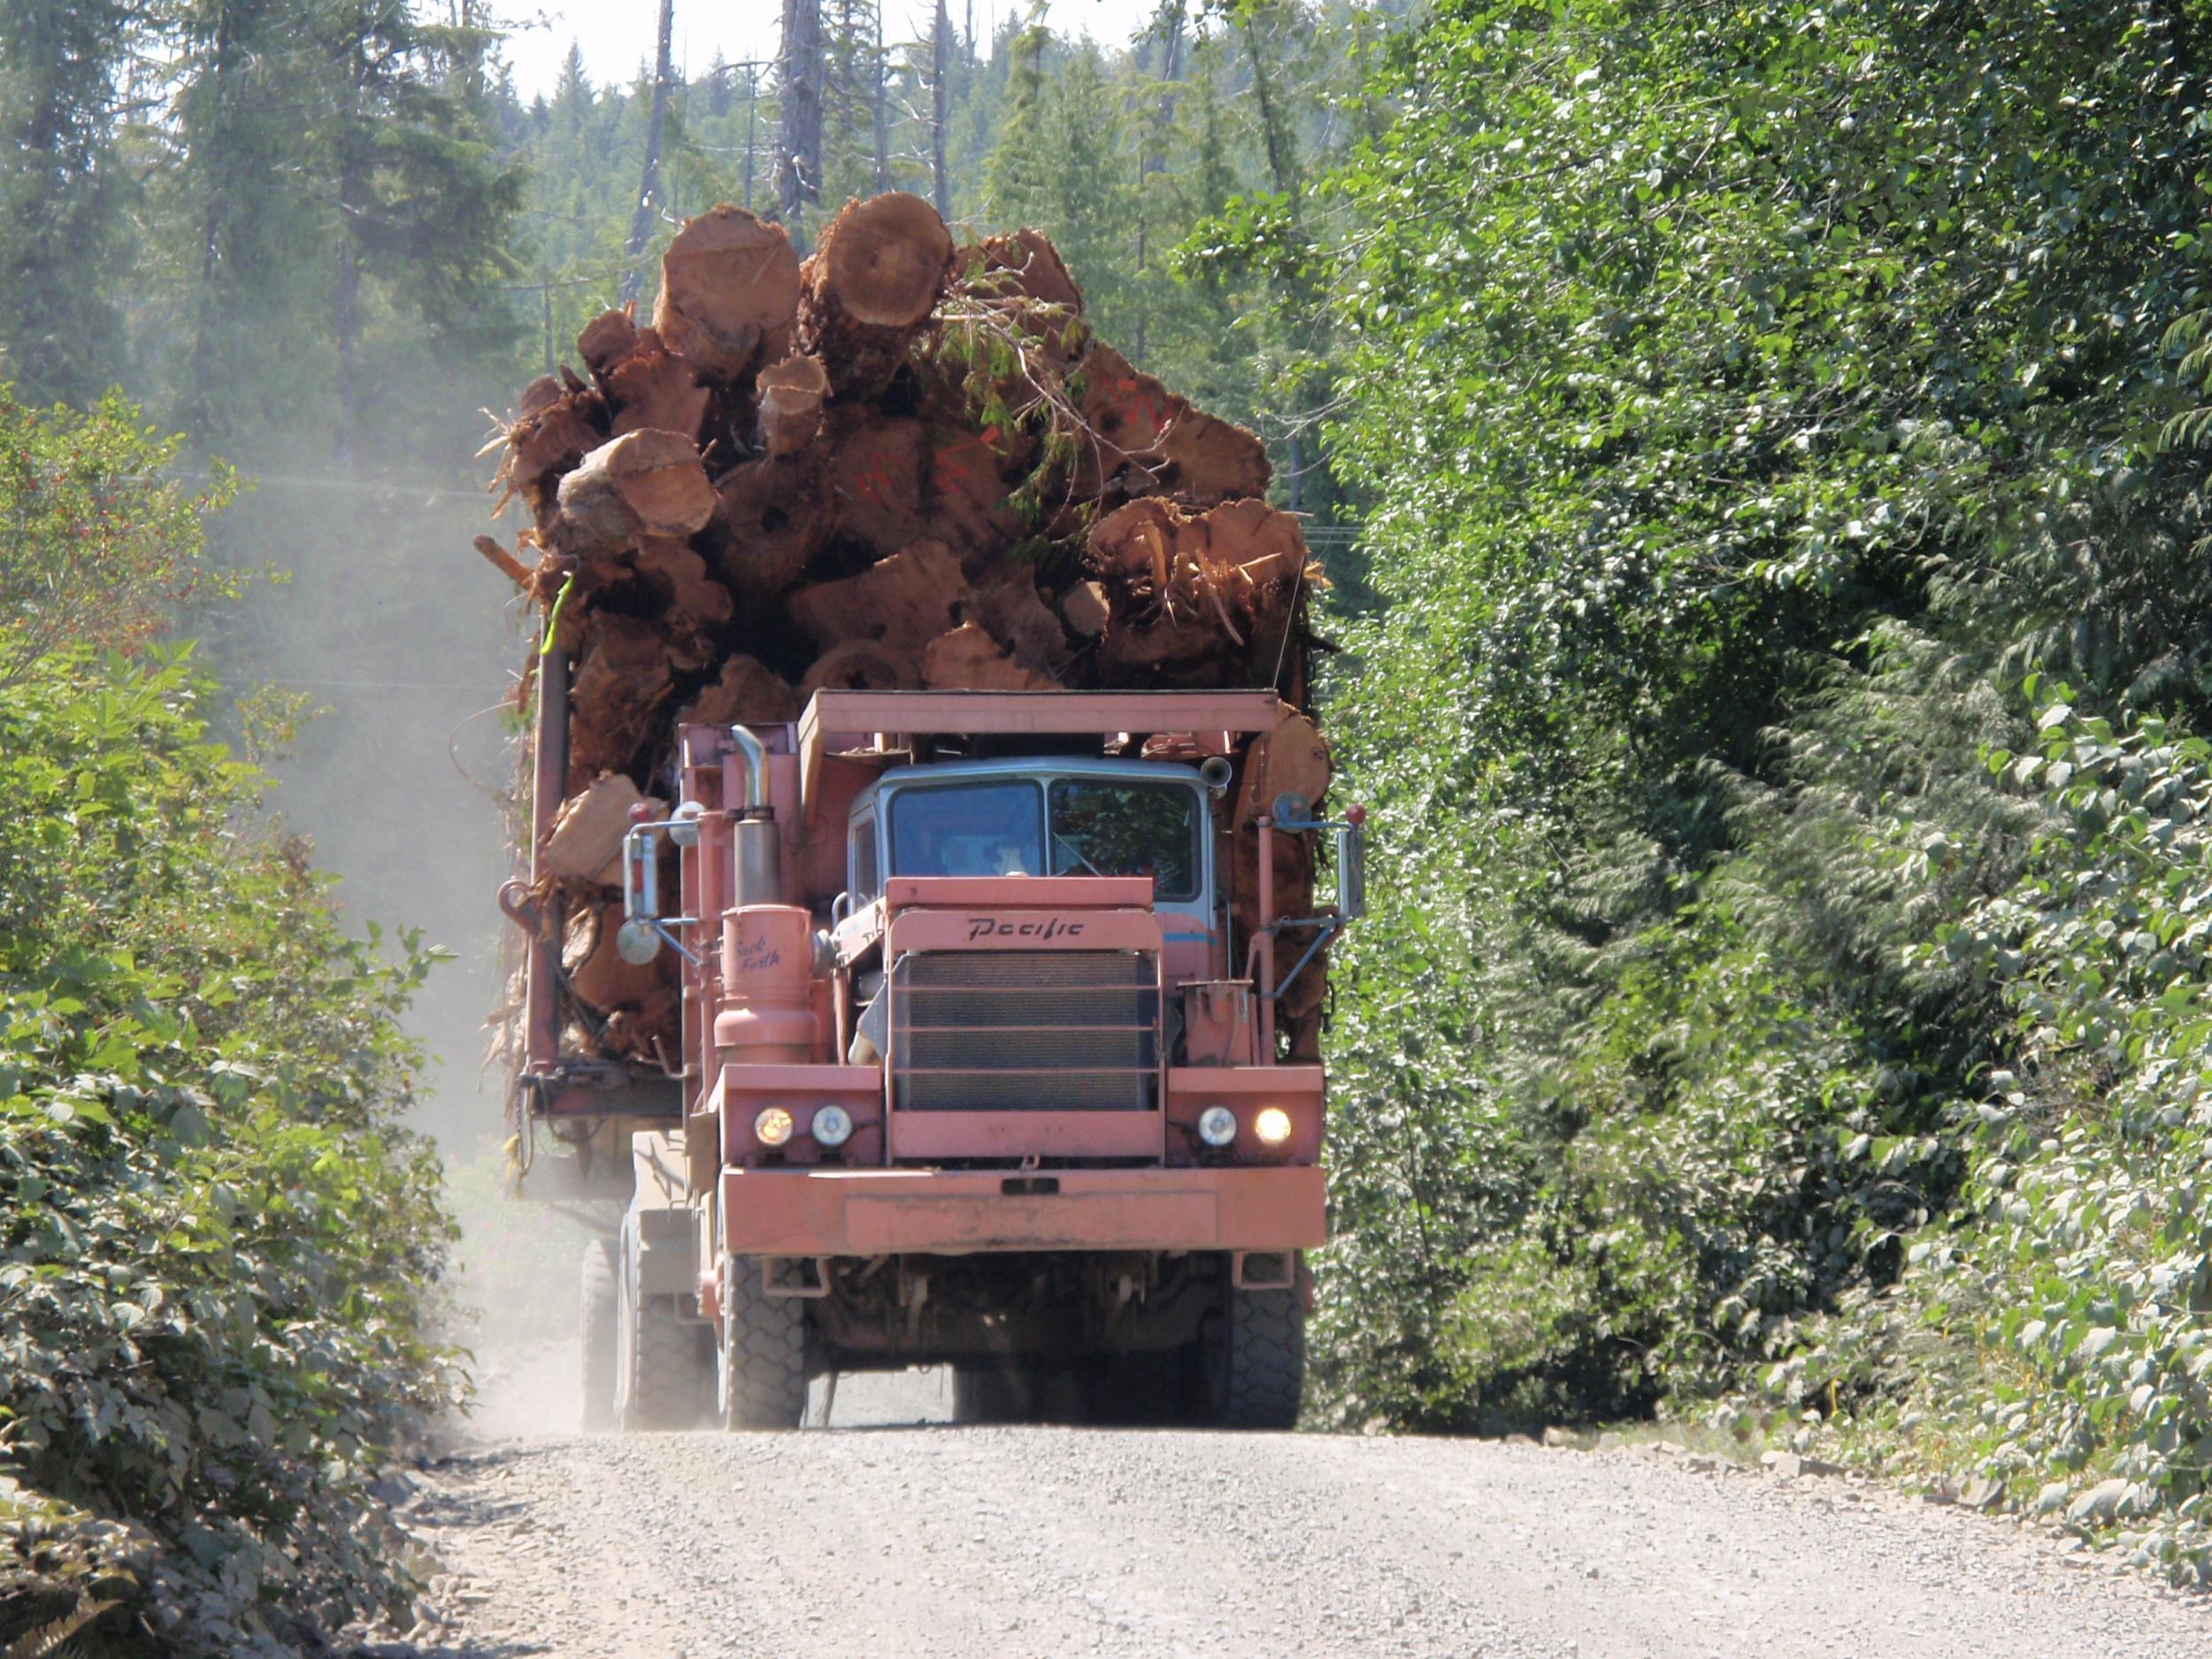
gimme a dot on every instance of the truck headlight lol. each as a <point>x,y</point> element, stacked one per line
<point>1272,1126</point>
<point>772,1128</point>
<point>833,1126</point>
<point>1216,1125</point>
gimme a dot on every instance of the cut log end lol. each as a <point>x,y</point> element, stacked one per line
<point>729,287</point>
<point>885,260</point>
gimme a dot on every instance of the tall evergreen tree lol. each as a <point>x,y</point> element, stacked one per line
<point>61,194</point>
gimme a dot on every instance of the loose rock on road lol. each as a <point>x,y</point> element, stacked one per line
<point>886,1537</point>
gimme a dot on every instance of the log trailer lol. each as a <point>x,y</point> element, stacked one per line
<point>981,1065</point>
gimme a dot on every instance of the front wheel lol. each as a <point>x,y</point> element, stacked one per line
<point>760,1377</point>
<point>1257,1360</point>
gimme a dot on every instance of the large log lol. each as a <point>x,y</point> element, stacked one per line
<point>1006,601</point>
<point>624,677</point>
<point>861,665</point>
<point>1205,599</point>
<point>968,659</point>
<point>903,602</point>
<point>748,693</point>
<point>968,502</point>
<point>597,975</point>
<point>873,281</point>
<point>879,475</point>
<point>1021,273</point>
<point>1205,459</point>
<point>552,430</point>
<point>771,518</point>
<point>649,386</point>
<point>1291,759</point>
<point>607,339</point>
<point>729,290</point>
<point>585,842</point>
<point>694,607</point>
<point>644,483</point>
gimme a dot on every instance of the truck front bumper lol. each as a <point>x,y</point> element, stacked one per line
<point>953,1212</point>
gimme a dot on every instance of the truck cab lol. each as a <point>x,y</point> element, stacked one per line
<point>982,1066</point>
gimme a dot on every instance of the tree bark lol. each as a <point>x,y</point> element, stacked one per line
<point>648,187</point>
<point>799,85</point>
<point>879,121</point>
<point>940,55</point>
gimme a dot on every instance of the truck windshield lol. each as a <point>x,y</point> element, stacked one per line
<point>968,829</point>
<point>1103,826</point>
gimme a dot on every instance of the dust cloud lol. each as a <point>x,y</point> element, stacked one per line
<point>405,643</point>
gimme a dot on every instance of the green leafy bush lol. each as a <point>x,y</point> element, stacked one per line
<point>1745,402</point>
<point>217,1240</point>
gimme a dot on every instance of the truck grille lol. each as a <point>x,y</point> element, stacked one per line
<point>1024,1030</point>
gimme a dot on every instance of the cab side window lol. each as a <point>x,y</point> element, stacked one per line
<point>867,881</point>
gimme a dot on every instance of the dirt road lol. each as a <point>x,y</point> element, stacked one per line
<point>886,1536</point>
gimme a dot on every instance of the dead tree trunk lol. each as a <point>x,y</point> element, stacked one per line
<point>799,85</point>
<point>941,183</point>
<point>879,122</point>
<point>649,186</point>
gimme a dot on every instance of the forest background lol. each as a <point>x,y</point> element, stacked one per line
<point>1756,455</point>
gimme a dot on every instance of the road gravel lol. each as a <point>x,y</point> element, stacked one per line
<point>893,1532</point>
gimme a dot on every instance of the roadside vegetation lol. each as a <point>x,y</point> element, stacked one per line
<point>1782,703</point>
<point>219,1245</point>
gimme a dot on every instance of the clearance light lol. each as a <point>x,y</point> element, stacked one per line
<point>1216,1125</point>
<point>772,1128</point>
<point>1272,1126</point>
<point>833,1126</point>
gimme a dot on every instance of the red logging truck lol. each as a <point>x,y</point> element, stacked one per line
<point>980,1062</point>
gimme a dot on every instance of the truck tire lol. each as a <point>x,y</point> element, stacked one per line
<point>1257,1361</point>
<point>596,1326</point>
<point>662,1372</point>
<point>760,1382</point>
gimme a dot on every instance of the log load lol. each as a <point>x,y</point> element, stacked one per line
<point>897,465</point>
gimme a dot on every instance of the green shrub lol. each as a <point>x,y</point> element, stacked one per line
<point>1745,402</point>
<point>217,1240</point>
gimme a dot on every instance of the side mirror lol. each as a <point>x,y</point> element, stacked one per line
<point>1351,870</point>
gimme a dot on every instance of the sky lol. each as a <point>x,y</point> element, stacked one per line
<point>617,35</point>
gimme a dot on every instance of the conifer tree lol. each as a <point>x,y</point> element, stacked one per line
<point>62,197</point>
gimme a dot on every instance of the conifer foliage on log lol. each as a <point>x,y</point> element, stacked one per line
<point>898,465</point>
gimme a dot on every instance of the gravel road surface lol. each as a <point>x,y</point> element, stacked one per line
<point>893,1533</point>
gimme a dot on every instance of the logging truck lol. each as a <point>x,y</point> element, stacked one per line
<point>981,1063</point>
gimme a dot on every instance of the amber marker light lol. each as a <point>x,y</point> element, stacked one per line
<point>1272,1126</point>
<point>772,1128</point>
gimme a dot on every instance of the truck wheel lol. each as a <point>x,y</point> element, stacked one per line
<point>993,1393</point>
<point>661,1369</point>
<point>598,1327</point>
<point>760,1382</point>
<point>1257,1361</point>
